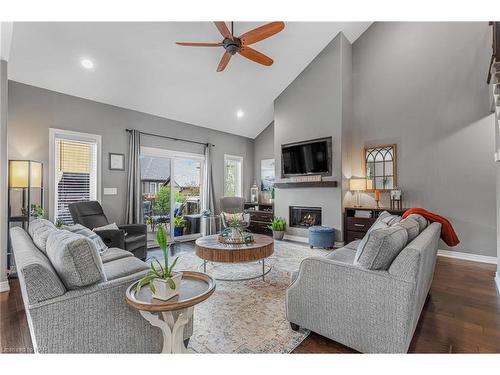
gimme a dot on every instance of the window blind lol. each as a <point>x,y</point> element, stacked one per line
<point>75,175</point>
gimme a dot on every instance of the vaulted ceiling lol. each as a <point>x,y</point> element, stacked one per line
<point>138,66</point>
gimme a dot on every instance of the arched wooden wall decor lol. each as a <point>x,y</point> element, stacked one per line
<point>380,167</point>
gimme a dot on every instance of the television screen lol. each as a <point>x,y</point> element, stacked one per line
<point>311,157</point>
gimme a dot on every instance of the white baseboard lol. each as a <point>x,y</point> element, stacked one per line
<point>4,286</point>
<point>467,256</point>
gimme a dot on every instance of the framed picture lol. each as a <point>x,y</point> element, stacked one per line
<point>116,162</point>
<point>266,174</point>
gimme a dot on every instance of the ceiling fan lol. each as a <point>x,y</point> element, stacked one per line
<point>241,44</point>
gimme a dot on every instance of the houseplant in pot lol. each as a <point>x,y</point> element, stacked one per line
<point>163,282</point>
<point>179,223</point>
<point>278,226</point>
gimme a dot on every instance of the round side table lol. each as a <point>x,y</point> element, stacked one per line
<point>195,287</point>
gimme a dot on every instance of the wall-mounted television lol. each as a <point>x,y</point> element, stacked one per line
<point>307,157</point>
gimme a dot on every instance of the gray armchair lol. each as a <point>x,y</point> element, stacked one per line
<point>131,237</point>
<point>233,205</point>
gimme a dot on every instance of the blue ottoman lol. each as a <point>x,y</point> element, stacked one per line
<point>320,236</point>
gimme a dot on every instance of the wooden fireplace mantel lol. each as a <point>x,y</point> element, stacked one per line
<point>309,184</point>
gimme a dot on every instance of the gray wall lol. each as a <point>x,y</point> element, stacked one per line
<point>423,87</point>
<point>32,111</point>
<point>263,148</point>
<point>3,175</point>
<point>311,107</point>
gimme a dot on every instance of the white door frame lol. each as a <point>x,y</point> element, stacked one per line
<point>75,136</point>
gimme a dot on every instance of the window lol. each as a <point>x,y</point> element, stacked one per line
<point>75,160</point>
<point>152,187</point>
<point>233,176</point>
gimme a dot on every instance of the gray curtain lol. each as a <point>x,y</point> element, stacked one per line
<point>208,182</point>
<point>134,193</point>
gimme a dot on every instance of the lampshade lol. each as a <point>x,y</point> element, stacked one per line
<point>19,171</point>
<point>23,173</point>
<point>36,174</point>
<point>357,184</point>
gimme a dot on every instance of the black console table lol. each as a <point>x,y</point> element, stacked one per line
<point>261,215</point>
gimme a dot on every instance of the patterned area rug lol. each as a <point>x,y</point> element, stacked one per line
<point>247,316</point>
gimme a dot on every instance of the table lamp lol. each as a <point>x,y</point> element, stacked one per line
<point>357,184</point>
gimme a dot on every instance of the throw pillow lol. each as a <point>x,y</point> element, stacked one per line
<point>39,230</point>
<point>411,226</point>
<point>422,221</point>
<point>384,220</point>
<point>107,227</point>
<point>75,259</point>
<point>382,247</point>
<point>84,231</point>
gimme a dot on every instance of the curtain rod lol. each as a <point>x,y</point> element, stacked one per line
<point>173,138</point>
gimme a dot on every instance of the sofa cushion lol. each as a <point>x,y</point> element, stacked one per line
<point>412,228</point>
<point>114,253</point>
<point>344,255</point>
<point>387,218</point>
<point>124,267</point>
<point>382,246</point>
<point>86,232</point>
<point>75,259</point>
<point>39,230</point>
<point>422,221</point>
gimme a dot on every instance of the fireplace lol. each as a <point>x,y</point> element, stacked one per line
<point>304,217</point>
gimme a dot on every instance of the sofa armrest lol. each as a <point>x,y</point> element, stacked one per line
<point>113,237</point>
<point>95,319</point>
<point>134,228</point>
<point>370,311</point>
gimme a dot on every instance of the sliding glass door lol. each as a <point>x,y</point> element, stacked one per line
<point>172,191</point>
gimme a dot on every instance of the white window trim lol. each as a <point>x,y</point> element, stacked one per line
<point>71,135</point>
<point>240,160</point>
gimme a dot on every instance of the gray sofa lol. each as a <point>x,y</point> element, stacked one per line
<point>90,319</point>
<point>367,310</point>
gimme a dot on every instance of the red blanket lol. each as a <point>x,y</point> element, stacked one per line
<point>448,234</point>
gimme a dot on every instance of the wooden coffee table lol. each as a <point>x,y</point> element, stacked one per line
<point>195,287</point>
<point>210,249</point>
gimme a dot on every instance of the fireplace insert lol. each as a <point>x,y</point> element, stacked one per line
<point>304,217</point>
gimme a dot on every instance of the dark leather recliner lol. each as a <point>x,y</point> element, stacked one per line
<point>131,237</point>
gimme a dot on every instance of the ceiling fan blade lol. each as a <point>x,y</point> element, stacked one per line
<point>260,33</point>
<point>222,27</point>
<point>256,56</point>
<point>224,61</point>
<point>189,44</point>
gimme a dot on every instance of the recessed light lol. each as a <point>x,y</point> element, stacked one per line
<point>240,113</point>
<point>87,64</point>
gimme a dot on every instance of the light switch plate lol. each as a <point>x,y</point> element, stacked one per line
<point>110,191</point>
<point>497,156</point>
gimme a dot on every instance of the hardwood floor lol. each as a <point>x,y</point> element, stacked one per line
<point>461,315</point>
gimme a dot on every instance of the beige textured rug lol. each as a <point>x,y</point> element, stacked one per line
<point>247,316</point>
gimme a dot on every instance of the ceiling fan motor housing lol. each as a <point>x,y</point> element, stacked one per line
<point>232,46</point>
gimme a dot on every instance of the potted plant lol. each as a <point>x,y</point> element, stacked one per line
<point>278,226</point>
<point>179,223</point>
<point>163,282</point>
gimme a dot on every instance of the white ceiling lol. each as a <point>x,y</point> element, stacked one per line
<point>138,66</point>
